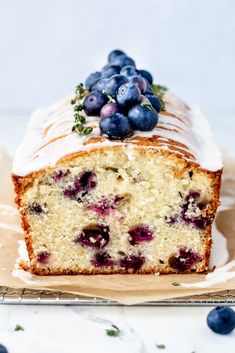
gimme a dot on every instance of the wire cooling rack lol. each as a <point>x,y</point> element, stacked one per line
<point>29,296</point>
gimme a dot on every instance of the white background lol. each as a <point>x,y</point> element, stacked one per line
<point>46,48</point>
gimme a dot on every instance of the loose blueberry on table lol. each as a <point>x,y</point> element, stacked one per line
<point>3,349</point>
<point>221,320</point>
<point>122,96</point>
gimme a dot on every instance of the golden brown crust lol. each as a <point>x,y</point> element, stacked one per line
<point>183,166</point>
<point>47,272</point>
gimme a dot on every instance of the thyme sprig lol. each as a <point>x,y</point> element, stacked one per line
<point>79,114</point>
<point>159,91</point>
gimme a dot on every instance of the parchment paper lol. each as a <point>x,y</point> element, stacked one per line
<point>126,289</point>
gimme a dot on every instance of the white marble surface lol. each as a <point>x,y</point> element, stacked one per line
<point>50,329</point>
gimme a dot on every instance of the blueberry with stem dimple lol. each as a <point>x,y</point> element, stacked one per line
<point>128,95</point>
<point>113,84</point>
<point>92,79</point>
<point>146,74</point>
<point>115,127</point>
<point>94,102</point>
<point>143,117</point>
<point>115,53</point>
<point>221,320</point>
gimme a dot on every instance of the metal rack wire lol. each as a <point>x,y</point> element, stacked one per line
<point>29,296</point>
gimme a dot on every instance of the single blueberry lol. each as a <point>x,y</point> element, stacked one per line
<point>123,60</point>
<point>132,262</point>
<point>128,95</point>
<point>114,53</point>
<point>184,260</point>
<point>143,117</point>
<point>129,71</point>
<point>116,126</point>
<point>109,109</point>
<point>149,88</point>
<point>155,101</point>
<point>102,259</point>
<point>94,236</point>
<point>139,81</point>
<point>3,349</point>
<point>100,85</point>
<point>221,320</point>
<point>43,257</point>
<point>110,70</point>
<point>83,183</point>
<point>92,79</point>
<point>94,102</point>
<point>140,234</point>
<point>146,74</point>
<point>114,83</point>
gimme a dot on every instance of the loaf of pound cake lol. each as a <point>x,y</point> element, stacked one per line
<point>120,177</point>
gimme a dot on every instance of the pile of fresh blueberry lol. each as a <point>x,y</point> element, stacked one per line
<point>122,96</point>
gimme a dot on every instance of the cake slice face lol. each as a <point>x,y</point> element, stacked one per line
<point>143,205</point>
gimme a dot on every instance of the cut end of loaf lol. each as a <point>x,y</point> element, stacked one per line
<point>114,210</point>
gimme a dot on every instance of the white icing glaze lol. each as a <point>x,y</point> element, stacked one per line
<point>49,137</point>
<point>220,275</point>
<point>219,250</point>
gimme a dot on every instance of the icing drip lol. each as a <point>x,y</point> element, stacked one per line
<point>180,129</point>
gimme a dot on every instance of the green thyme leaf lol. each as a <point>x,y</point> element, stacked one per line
<point>79,118</point>
<point>79,115</point>
<point>73,101</point>
<point>18,328</point>
<point>78,108</point>
<point>87,130</point>
<point>159,91</point>
<point>160,346</point>
<point>147,105</point>
<point>80,91</point>
<point>113,332</point>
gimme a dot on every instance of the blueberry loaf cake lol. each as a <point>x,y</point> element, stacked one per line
<point>120,177</point>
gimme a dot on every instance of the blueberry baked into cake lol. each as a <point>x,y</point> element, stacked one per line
<point>120,177</point>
